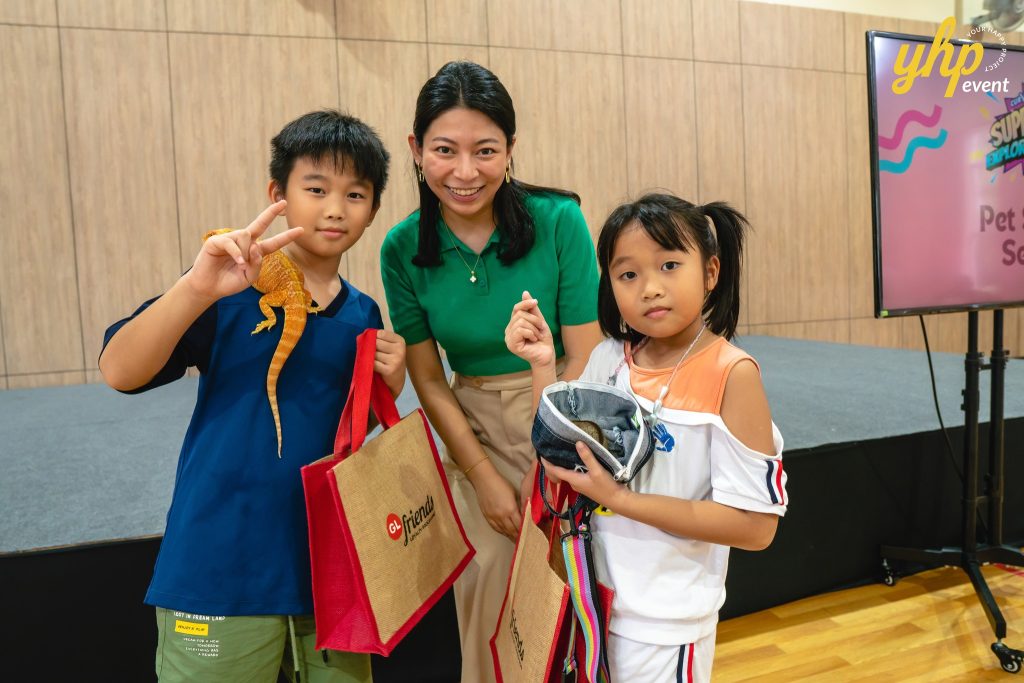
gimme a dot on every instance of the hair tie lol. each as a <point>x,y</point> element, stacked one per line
<point>711,227</point>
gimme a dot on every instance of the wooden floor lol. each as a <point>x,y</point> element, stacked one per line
<point>928,627</point>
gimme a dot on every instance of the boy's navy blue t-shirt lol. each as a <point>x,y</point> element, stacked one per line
<point>236,541</point>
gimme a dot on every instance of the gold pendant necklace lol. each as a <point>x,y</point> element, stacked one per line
<point>472,270</point>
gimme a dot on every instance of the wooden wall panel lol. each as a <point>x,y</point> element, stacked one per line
<point>42,12</point>
<point>720,158</point>
<point>1012,338</point>
<point>837,331</point>
<point>122,172</point>
<point>920,28</point>
<point>125,14</point>
<point>661,128</point>
<point>315,18</point>
<point>720,133</point>
<point>583,25</point>
<point>798,263</point>
<point>571,124</point>
<point>382,20</point>
<point>716,30</point>
<point>576,25</point>
<point>854,27</point>
<point>38,286</point>
<point>872,332</point>
<point>47,379</point>
<point>946,333</point>
<point>778,35</point>
<point>439,55</point>
<point>859,225</point>
<point>380,86</point>
<point>657,28</point>
<point>232,94</point>
<point>457,21</point>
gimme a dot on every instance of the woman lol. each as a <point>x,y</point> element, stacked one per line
<point>452,272</point>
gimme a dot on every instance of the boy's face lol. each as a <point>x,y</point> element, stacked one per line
<point>334,208</point>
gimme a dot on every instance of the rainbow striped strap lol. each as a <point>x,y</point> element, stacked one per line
<point>579,565</point>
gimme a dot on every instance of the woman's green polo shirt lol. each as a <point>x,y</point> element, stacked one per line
<point>468,319</point>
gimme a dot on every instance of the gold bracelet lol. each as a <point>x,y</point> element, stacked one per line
<point>470,468</point>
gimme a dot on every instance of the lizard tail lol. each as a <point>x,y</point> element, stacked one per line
<point>294,323</point>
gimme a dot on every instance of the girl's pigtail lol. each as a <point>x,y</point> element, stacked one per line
<point>722,308</point>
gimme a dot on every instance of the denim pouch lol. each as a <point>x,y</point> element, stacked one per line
<point>605,418</point>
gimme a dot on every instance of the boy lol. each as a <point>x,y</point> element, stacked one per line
<point>231,584</point>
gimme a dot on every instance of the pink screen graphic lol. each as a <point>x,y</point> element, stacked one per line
<point>950,200</point>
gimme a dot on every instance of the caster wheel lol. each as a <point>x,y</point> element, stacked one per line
<point>888,575</point>
<point>1009,658</point>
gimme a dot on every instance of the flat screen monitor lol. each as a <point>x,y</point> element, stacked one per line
<point>947,162</point>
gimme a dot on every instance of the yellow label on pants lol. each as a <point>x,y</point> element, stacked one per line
<point>191,628</point>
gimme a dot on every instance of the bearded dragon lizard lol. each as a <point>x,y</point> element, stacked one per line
<point>283,285</point>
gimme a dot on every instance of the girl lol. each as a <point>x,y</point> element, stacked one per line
<point>452,271</point>
<point>669,301</point>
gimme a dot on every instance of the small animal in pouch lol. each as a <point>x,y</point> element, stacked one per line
<point>592,430</point>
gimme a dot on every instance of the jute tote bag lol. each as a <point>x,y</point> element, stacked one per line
<point>385,541</point>
<point>538,637</point>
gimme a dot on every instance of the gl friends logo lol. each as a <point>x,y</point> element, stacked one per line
<point>411,524</point>
<point>394,525</point>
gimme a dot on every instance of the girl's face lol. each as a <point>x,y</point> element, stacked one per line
<point>463,157</point>
<point>660,292</point>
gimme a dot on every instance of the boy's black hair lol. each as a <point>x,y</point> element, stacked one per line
<point>331,135</point>
<point>471,86</point>
<point>676,224</point>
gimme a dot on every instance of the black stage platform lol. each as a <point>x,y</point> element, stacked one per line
<point>87,476</point>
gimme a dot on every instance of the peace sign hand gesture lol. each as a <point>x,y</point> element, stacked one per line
<point>230,262</point>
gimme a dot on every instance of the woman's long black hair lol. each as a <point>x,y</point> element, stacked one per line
<point>676,224</point>
<point>469,85</point>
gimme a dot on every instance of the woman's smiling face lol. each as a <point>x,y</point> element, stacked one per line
<point>464,157</point>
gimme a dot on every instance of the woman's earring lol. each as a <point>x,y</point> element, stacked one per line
<point>508,173</point>
<point>419,173</point>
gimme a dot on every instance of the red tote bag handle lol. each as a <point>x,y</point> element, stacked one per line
<point>367,390</point>
<point>537,508</point>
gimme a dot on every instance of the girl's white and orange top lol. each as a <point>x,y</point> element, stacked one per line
<point>668,589</point>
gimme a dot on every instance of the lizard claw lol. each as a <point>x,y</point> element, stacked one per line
<point>265,325</point>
